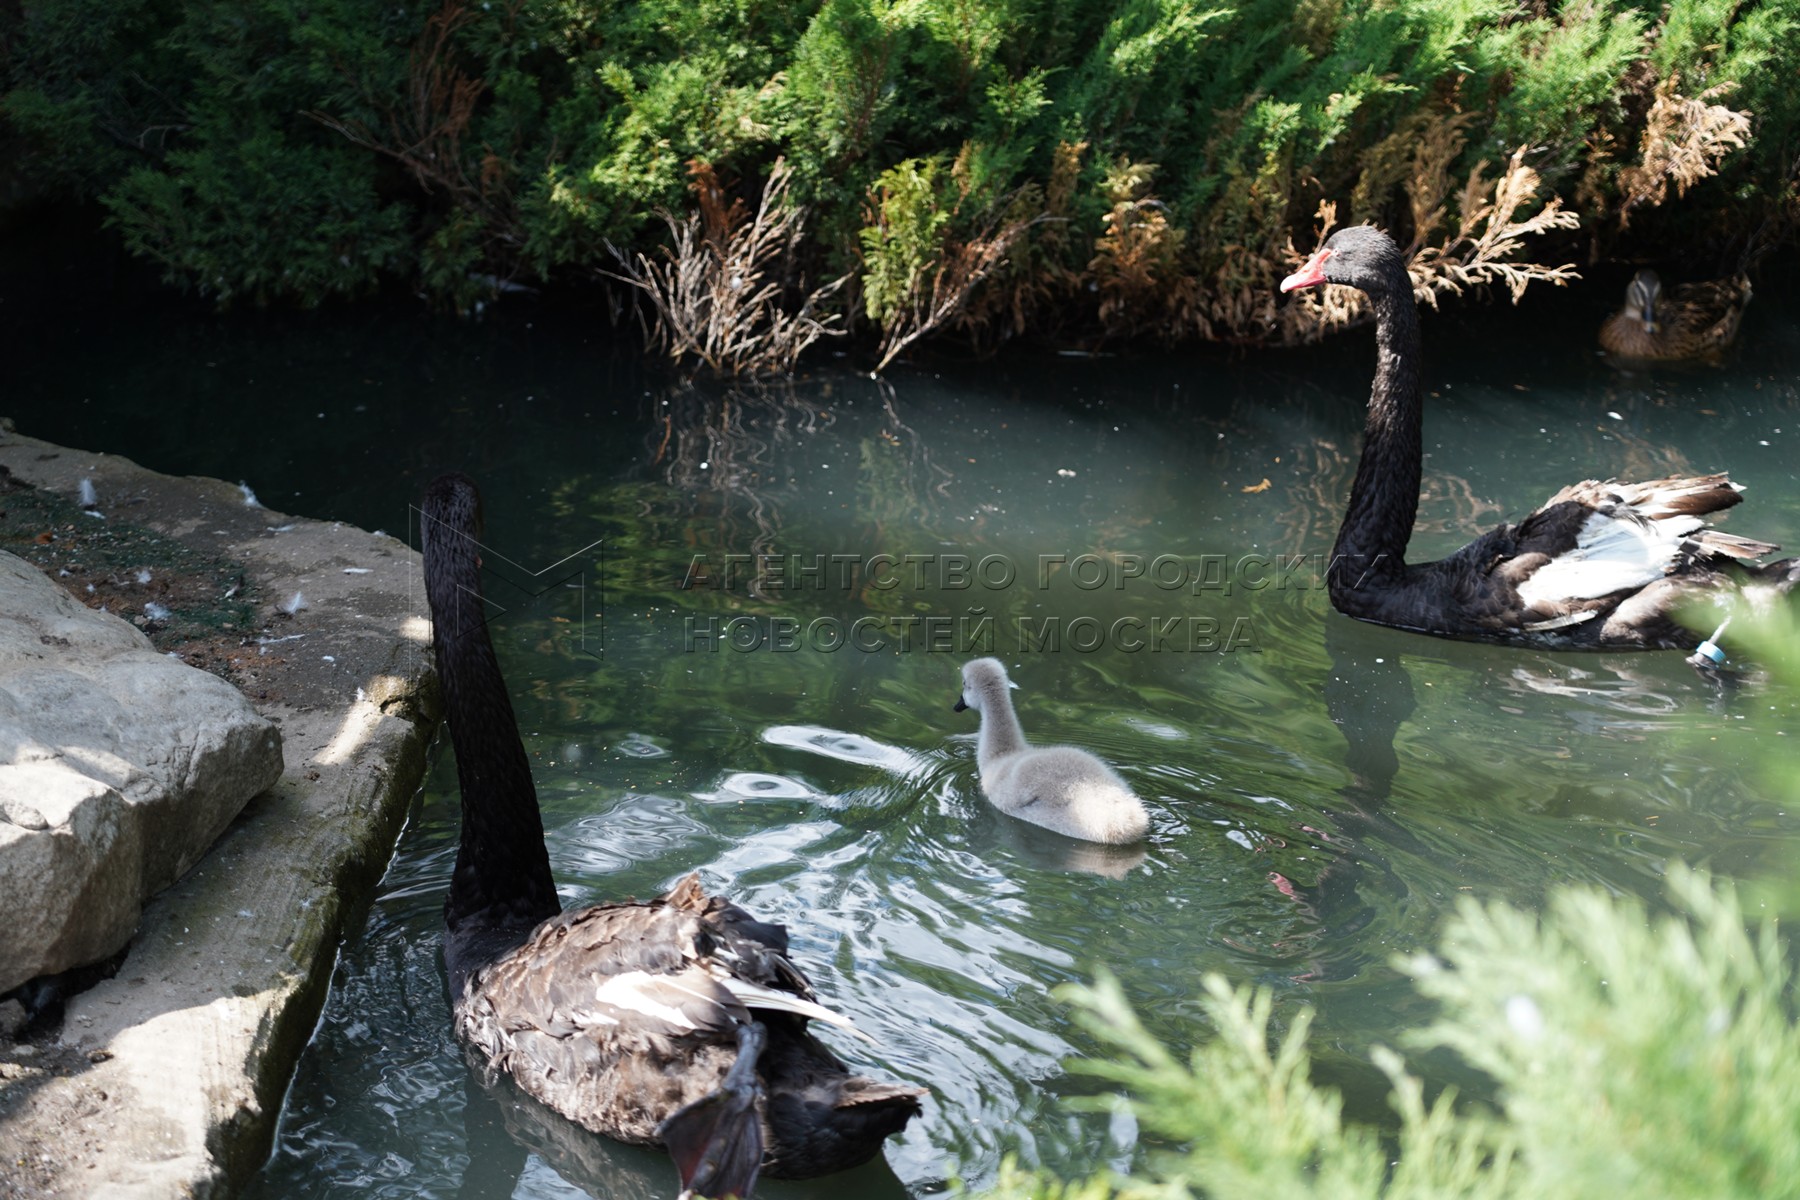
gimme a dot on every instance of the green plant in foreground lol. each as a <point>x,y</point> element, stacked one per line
<point>1634,1055</point>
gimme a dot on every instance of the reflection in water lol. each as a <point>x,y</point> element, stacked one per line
<point>1609,698</point>
<point>725,445</point>
<point>743,449</point>
<point>1368,695</point>
<point>639,746</point>
<point>1047,850</point>
<point>639,827</point>
<point>757,785</point>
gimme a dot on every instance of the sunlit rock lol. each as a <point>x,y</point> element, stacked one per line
<point>119,766</point>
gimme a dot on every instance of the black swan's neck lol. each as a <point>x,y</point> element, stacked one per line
<point>1384,500</point>
<point>501,886</point>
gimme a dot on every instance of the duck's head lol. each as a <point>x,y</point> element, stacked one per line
<point>1641,297</point>
<point>1361,256</point>
<point>979,675</point>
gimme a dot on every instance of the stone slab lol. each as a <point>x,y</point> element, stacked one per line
<point>167,1078</point>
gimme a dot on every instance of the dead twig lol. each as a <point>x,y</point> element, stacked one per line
<point>716,294</point>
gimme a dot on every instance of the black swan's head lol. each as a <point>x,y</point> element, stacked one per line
<point>449,535</point>
<point>1361,256</point>
<point>1641,297</point>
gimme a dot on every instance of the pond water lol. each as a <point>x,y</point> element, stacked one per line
<point>733,622</point>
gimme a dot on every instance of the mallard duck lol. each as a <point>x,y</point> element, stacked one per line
<point>1696,320</point>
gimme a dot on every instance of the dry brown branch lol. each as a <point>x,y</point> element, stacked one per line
<point>425,135</point>
<point>1034,283</point>
<point>941,292</point>
<point>424,132</point>
<point>1428,183</point>
<point>1383,166</point>
<point>717,296</point>
<point>934,300</point>
<point>1490,235</point>
<point>1065,172</point>
<point>1482,251</point>
<point>1685,138</point>
<point>1136,268</point>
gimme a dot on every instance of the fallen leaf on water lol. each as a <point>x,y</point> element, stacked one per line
<point>1257,487</point>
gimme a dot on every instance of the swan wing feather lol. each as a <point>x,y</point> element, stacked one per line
<point>753,995</point>
<point>1617,551</point>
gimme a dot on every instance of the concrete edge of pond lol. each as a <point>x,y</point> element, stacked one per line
<point>166,1080</point>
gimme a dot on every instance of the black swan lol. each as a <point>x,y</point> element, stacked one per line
<point>679,1021</point>
<point>1697,320</point>
<point>1602,566</point>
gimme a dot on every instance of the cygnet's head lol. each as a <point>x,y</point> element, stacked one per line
<point>979,675</point>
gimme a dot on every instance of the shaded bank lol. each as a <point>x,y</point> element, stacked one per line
<point>1131,169</point>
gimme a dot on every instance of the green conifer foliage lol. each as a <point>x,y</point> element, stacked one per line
<point>253,146</point>
<point>1634,1054</point>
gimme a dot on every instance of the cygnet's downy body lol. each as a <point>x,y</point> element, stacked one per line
<point>1058,787</point>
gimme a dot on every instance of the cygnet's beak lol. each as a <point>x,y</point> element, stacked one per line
<point>961,705</point>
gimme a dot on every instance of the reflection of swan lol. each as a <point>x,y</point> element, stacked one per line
<point>1058,787</point>
<point>1601,566</point>
<point>1697,320</point>
<point>1625,691</point>
<point>1048,850</point>
<point>1368,696</point>
<point>679,1021</point>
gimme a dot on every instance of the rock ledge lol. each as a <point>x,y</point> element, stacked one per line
<point>167,1078</point>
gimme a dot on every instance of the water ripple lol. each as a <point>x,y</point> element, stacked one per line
<point>847,747</point>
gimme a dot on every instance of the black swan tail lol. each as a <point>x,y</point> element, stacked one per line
<point>1784,576</point>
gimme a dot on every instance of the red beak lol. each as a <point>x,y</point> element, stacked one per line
<point>1310,275</point>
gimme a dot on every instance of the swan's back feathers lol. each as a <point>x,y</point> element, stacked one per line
<point>1601,564</point>
<point>1625,552</point>
<point>1595,539</point>
<point>1068,790</point>
<point>1616,550</point>
<point>647,970</point>
<point>1676,495</point>
<point>619,1015</point>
